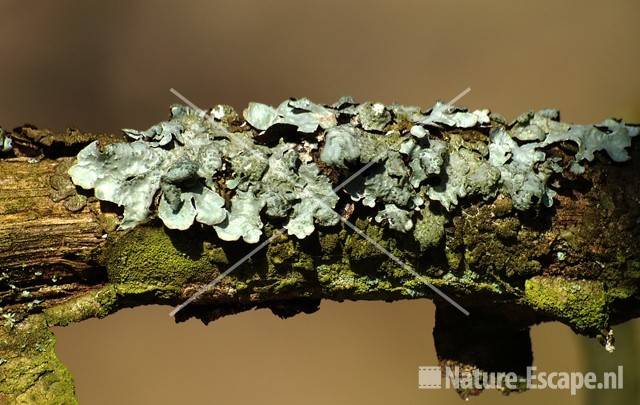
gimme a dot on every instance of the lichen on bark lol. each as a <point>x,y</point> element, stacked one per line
<point>63,258</point>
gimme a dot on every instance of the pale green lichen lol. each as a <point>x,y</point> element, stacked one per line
<point>425,161</point>
<point>523,170</point>
<point>127,174</point>
<point>317,200</point>
<point>179,169</point>
<point>302,113</point>
<point>202,204</point>
<point>341,146</point>
<point>397,218</point>
<point>610,136</point>
<point>467,173</point>
<point>534,126</point>
<point>386,182</point>
<point>373,116</point>
<point>448,115</point>
<point>6,144</point>
<point>244,219</point>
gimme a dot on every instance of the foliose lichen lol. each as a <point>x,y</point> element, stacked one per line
<point>6,144</point>
<point>194,168</point>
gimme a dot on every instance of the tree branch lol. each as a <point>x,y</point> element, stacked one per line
<point>63,261</point>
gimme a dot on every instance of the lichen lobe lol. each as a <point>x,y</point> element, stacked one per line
<point>184,170</point>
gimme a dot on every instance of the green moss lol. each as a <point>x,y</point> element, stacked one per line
<point>358,248</point>
<point>507,229</point>
<point>31,373</point>
<point>108,221</point>
<point>69,137</point>
<point>292,281</point>
<point>304,263</point>
<point>150,256</point>
<point>92,304</point>
<point>61,186</point>
<point>531,267</point>
<point>499,247</point>
<point>623,291</point>
<point>288,253</point>
<point>75,203</point>
<point>330,242</point>
<point>338,280</point>
<point>429,229</point>
<point>361,252</point>
<point>502,206</point>
<point>582,304</point>
<point>282,251</point>
<point>102,302</point>
<point>633,269</point>
<point>143,292</point>
<point>454,259</point>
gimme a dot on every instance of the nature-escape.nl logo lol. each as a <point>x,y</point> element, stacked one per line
<point>475,379</point>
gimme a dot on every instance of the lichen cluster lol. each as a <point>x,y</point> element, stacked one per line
<point>6,144</point>
<point>196,167</point>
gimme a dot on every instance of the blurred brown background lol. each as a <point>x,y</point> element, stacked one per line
<point>102,66</point>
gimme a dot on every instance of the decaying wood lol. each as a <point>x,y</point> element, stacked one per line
<point>62,260</point>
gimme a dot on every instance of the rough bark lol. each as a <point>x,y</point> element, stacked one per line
<point>63,261</point>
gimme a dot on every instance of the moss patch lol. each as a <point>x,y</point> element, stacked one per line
<point>338,280</point>
<point>151,256</point>
<point>30,372</point>
<point>582,304</point>
<point>94,304</point>
<point>330,242</point>
<point>429,229</point>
